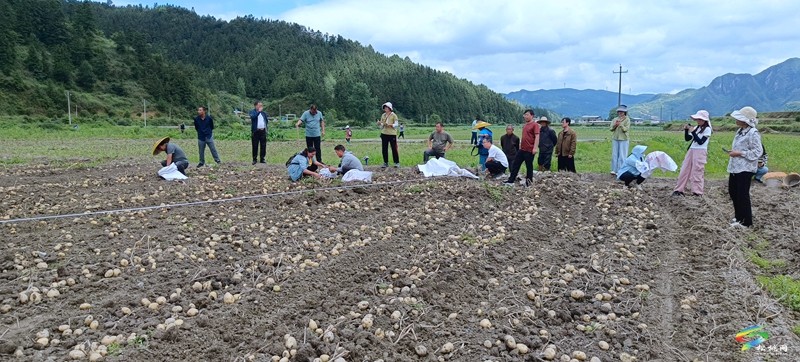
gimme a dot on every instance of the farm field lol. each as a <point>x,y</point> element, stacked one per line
<point>98,145</point>
<point>406,269</point>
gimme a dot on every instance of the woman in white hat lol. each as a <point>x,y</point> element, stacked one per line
<point>693,167</point>
<point>743,163</point>
<point>388,124</point>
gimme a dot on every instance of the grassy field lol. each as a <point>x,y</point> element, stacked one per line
<point>88,145</point>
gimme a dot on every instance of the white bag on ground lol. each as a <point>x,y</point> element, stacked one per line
<point>356,175</point>
<point>171,172</point>
<point>326,173</point>
<point>443,167</point>
<point>656,160</point>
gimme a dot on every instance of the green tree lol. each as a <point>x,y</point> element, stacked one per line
<point>85,77</point>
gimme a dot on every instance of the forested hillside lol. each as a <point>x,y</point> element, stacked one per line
<point>112,58</point>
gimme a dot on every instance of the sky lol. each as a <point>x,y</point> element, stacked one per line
<point>665,46</point>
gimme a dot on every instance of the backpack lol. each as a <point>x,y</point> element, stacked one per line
<point>291,158</point>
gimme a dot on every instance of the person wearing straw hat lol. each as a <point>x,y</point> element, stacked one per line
<point>742,165</point>
<point>348,134</point>
<point>388,124</point>
<point>762,165</point>
<point>693,167</point>
<point>174,154</point>
<point>619,139</point>
<point>483,133</point>
<point>547,142</point>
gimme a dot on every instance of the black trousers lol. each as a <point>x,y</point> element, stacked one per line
<point>522,156</point>
<point>402,135</point>
<point>545,161</point>
<point>316,143</point>
<point>629,177</point>
<point>739,190</point>
<point>259,139</point>
<point>566,163</point>
<point>495,168</point>
<point>474,139</point>
<point>386,141</point>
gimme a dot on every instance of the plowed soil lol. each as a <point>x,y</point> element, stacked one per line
<point>406,269</point>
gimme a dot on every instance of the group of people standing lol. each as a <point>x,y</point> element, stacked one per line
<point>747,158</point>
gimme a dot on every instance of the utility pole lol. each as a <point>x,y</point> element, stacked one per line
<point>144,103</point>
<point>661,113</point>
<point>619,91</point>
<point>69,109</point>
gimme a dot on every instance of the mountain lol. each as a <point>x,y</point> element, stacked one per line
<point>777,88</point>
<point>112,58</point>
<point>575,103</point>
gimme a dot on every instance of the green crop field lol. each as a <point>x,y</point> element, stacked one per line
<point>92,144</point>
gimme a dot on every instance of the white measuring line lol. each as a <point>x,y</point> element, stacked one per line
<point>205,202</point>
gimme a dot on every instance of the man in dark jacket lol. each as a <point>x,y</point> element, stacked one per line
<point>510,144</point>
<point>204,125</point>
<point>258,131</point>
<point>547,143</point>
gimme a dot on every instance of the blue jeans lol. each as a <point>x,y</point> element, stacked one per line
<point>619,151</point>
<point>201,144</point>
<point>482,161</point>
<point>761,172</point>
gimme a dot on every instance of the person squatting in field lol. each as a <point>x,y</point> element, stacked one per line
<point>174,154</point>
<point>628,172</point>
<point>693,167</point>
<point>496,161</point>
<point>303,164</point>
<point>349,161</point>
<point>439,142</point>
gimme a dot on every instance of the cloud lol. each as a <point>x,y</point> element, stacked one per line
<point>513,44</point>
<point>522,44</point>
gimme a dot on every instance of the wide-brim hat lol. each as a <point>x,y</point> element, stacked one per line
<point>159,143</point>
<point>347,126</point>
<point>388,104</point>
<point>543,119</point>
<point>747,115</point>
<point>622,108</point>
<point>481,124</point>
<point>701,115</point>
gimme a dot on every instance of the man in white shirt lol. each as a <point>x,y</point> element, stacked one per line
<point>496,162</point>
<point>258,131</point>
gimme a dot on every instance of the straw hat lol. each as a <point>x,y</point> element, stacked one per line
<point>481,124</point>
<point>159,143</point>
<point>543,119</point>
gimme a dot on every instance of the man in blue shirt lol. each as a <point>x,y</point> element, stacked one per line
<point>204,125</point>
<point>315,129</point>
<point>258,131</point>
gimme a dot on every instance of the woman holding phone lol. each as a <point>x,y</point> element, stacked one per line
<point>743,163</point>
<point>693,167</point>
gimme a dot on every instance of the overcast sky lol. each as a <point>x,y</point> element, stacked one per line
<point>666,46</point>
